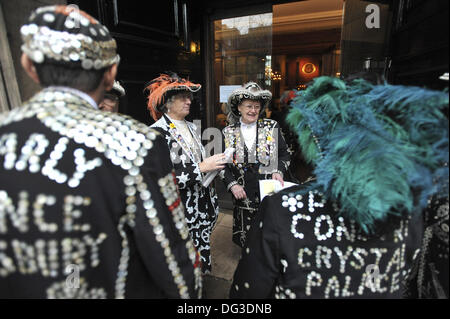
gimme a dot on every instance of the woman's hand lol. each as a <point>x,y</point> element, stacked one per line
<point>277,177</point>
<point>213,163</point>
<point>238,192</point>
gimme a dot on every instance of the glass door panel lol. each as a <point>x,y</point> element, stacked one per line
<point>242,53</point>
<point>306,43</point>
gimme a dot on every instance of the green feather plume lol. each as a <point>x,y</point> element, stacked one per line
<point>377,150</point>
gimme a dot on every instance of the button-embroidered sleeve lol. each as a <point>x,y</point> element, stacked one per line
<point>161,233</point>
<point>188,174</point>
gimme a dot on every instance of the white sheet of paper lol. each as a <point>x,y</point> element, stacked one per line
<point>225,91</point>
<point>268,186</point>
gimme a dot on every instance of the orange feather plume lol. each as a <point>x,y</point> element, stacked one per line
<point>160,86</point>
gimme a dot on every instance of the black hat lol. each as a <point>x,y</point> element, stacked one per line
<point>251,91</point>
<point>67,35</point>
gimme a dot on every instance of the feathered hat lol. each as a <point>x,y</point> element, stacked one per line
<point>251,91</point>
<point>378,150</point>
<point>160,89</point>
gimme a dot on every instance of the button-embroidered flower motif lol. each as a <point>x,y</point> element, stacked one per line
<point>293,202</point>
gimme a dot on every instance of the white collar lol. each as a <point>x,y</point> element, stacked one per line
<point>79,93</point>
<point>176,121</point>
<point>244,125</point>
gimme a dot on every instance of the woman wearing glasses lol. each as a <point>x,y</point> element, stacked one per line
<point>260,153</point>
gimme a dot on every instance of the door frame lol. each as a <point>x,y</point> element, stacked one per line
<point>9,89</point>
<point>210,92</point>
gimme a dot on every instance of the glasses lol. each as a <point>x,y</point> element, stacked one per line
<point>255,107</point>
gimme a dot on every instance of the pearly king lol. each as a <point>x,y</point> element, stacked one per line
<point>88,203</point>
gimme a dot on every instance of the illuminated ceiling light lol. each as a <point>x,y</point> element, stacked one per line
<point>243,24</point>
